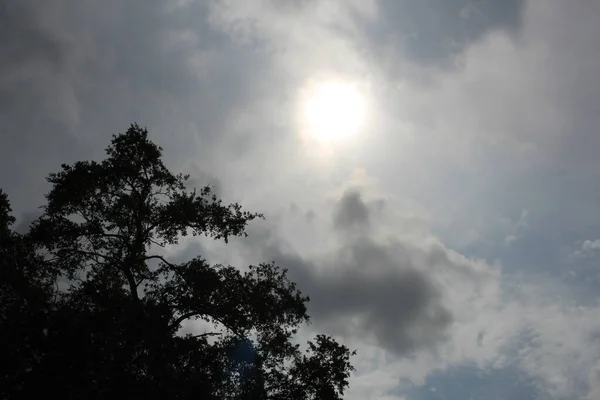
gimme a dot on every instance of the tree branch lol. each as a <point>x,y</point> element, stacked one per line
<point>156,256</point>
<point>156,243</point>
<point>183,317</point>
<point>92,253</point>
<point>132,284</point>
<point>208,334</point>
<point>110,235</point>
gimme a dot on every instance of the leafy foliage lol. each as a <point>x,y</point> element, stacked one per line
<point>91,308</point>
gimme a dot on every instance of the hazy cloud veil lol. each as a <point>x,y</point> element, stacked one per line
<point>453,241</point>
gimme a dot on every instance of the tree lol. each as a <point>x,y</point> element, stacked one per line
<point>26,290</point>
<point>114,327</point>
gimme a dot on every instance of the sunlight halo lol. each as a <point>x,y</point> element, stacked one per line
<point>332,111</point>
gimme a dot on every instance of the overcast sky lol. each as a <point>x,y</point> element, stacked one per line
<point>428,168</point>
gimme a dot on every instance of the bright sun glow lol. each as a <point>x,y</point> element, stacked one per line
<point>333,111</point>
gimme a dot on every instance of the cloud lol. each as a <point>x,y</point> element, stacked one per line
<point>434,310</point>
<point>589,248</point>
<point>432,32</point>
<point>515,231</point>
<point>73,73</point>
<point>370,296</point>
<point>469,382</point>
<point>558,356</point>
<point>351,212</point>
<point>388,291</point>
<point>478,110</point>
<point>594,383</point>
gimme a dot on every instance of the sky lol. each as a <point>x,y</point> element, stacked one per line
<point>428,168</point>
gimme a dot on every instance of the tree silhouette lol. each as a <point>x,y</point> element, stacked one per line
<point>91,309</point>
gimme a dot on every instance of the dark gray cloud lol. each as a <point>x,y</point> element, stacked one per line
<point>25,221</point>
<point>371,293</point>
<point>379,292</point>
<point>310,215</point>
<point>189,251</point>
<point>36,99</point>
<point>351,212</point>
<point>431,31</point>
<point>198,178</point>
<point>72,73</point>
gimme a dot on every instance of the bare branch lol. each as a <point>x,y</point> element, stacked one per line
<point>156,256</point>
<point>183,317</point>
<point>156,243</point>
<point>208,334</point>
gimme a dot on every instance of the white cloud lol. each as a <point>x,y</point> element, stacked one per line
<point>500,112</point>
<point>457,160</point>
<point>588,249</point>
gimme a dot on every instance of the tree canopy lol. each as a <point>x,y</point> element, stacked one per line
<point>91,308</point>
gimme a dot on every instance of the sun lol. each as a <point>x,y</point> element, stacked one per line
<point>333,110</point>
